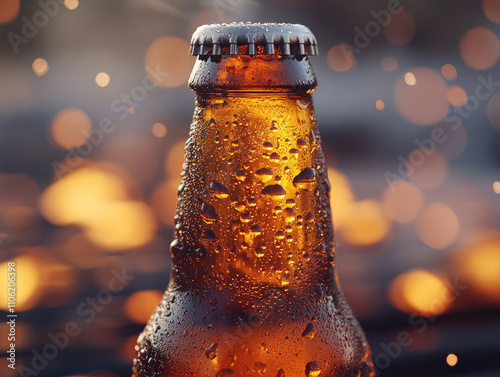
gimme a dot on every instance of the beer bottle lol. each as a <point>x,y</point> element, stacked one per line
<point>253,288</point>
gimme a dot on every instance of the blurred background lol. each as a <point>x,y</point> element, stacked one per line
<point>91,151</point>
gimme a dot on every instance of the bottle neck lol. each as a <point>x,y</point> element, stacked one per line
<point>253,204</point>
<point>260,73</point>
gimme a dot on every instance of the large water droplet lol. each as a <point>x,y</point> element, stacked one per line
<point>274,191</point>
<point>267,145</point>
<point>264,174</point>
<point>305,179</point>
<point>313,369</point>
<point>240,175</point>
<point>285,279</point>
<point>201,253</point>
<point>281,373</point>
<point>219,190</point>
<point>211,351</point>
<point>301,143</point>
<point>208,213</point>
<point>225,373</point>
<point>310,331</point>
<point>275,157</point>
<point>255,229</point>
<point>259,252</point>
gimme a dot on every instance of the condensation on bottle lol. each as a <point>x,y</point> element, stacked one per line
<point>253,288</point>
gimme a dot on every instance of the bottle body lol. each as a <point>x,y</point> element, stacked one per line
<point>253,288</point>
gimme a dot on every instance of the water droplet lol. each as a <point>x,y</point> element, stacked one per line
<point>240,175</point>
<point>245,217</point>
<point>281,373</point>
<point>211,351</point>
<point>260,368</point>
<point>310,331</point>
<point>259,252</point>
<point>312,138</point>
<point>285,279</point>
<point>274,191</point>
<point>301,143</point>
<point>313,369</point>
<point>277,209</point>
<point>275,157</point>
<point>177,250</point>
<point>310,217</point>
<point>267,145</point>
<point>290,202</point>
<point>208,236</point>
<point>305,179</point>
<point>280,235</point>
<point>219,190</point>
<point>289,213</point>
<point>294,152</point>
<point>255,229</point>
<point>264,174</point>
<point>208,213</point>
<point>252,202</point>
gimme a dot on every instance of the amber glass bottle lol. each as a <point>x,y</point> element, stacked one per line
<point>253,288</point>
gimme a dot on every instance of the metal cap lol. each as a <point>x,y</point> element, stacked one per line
<point>240,38</point>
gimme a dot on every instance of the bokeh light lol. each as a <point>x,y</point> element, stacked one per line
<point>496,187</point>
<point>438,226</point>
<point>40,66</point>
<point>167,61</point>
<point>456,140</point>
<point>9,10</point>
<point>159,130</point>
<point>400,29</point>
<point>402,201</point>
<point>340,58</point>
<point>27,271</point>
<point>71,4</point>
<point>456,95</point>
<point>426,168</point>
<point>491,9</point>
<point>420,96</point>
<point>140,305</point>
<point>478,263</point>
<point>70,128</point>
<point>479,48</point>
<point>449,72</point>
<point>341,197</point>
<point>451,359</point>
<point>493,111</point>
<point>102,79</point>
<point>367,224</point>
<point>389,63</point>
<point>379,104</point>
<point>420,291</point>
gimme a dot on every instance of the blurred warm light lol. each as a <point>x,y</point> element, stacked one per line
<point>400,29</point>
<point>71,4</point>
<point>28,278</point>
<point>24,336</point>
<point>18,217</point>
<point>140,305</point>
<point>451,360</point>
<point>420,96</point>
<point>340,58</point>
<point>380,104</point>
<point>159,130</point>
<point>163,200</point>
<point>137,153</point>
<point>478,262</point>
<point>367,224</point>
<point>131,110</point>
<point>173,162</point>
<point>426,168</point>
<point>496,187</point>
<point>480,48</point>
<point>420,291</point>
<point>80,251</point>
<point>102,79</point>
<point>456,95</point>
<point>491,9</point>
<point>167,62</point>
<point>389,63</point>
<point>438,226</point>
<point>128,347</point>
<point>402,201</point>
<point>40,66</point>
<point>70,128</point>
<point>493,111</point>
<point>341,197</point>
<point>410,79</point>
<point>97,200</point>
<point>9,10</point>
<point>122,225</point>
<point>449,72</point>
